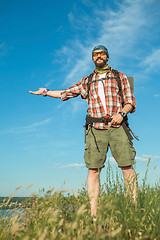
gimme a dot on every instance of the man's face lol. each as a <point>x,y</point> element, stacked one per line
<point>100,58</point>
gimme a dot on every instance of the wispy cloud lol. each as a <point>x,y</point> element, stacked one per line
<point>49,82</point>
<point>73,165</point>
<point>74,107</point>
<point>152,156</point>
<point>145,158</point>
<point>152,61</point>
<point>120,29</point>
<point>24,129</point>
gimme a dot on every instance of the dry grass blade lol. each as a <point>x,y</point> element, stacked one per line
<point>115,232</point>
<point>14,228</point>
<point>30,185</point>
<point>32,194</point>
<point>81,210</point>
<point>10,197</point>
<point>19,187</point>
<point>148,162</point>
<point>64,191</point>
<point>75,194</point>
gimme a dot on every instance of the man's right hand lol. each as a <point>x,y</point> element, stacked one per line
<point>39,92</point>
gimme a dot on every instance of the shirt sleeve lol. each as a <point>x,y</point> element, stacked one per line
<point>127,92</point>
<point>77,89</point>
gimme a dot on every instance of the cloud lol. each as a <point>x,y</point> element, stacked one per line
<point>76,106</point>
<point>152,61</point>
<point>49,82</point>
<point>120,29</point>
<point>74,165</point>
<point>24,129</point>
<point>152,156</point>
<point>145,158</point>
<point>76,59</point>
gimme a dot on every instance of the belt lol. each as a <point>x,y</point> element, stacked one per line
<point>90,120</point>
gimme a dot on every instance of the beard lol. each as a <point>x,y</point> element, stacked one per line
<point>100,65</point>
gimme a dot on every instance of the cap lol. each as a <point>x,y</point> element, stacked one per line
<point>100,47</point>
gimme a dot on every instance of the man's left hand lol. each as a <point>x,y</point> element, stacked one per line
<point>116,119</point>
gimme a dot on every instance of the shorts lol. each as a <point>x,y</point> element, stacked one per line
<point>98,141</point>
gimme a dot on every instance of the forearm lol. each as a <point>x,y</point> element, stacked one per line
<point>127,108</point>
<point>117,118</point>
<point>54,94</point>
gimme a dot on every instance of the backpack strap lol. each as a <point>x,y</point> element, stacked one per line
<point>117,77</point>
<point>89,77</point>
<point>125,123</point>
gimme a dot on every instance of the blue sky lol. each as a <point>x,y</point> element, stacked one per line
<point>49,44</point>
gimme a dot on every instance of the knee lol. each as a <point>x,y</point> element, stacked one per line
<point>93,172</point>
<point>127,169</point>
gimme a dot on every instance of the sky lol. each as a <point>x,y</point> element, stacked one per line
<point>49,44</point>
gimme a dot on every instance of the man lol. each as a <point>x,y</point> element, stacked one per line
<point>105,122</point>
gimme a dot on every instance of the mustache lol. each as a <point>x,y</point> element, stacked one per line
<point>99,58</point>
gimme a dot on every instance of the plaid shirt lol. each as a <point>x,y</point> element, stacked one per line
<point>112,97</point>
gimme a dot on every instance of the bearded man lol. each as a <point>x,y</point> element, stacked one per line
<point>106,125</point>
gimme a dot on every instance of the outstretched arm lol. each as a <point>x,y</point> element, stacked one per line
<point>54,94</point>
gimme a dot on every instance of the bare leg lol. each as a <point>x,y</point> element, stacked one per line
<point>130,182</point>
<point>93,189</point>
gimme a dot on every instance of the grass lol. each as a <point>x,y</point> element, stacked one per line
<point>60,216</point>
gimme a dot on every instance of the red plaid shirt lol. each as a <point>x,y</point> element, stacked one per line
<point>112,98</point>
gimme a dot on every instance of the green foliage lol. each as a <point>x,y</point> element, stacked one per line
<point>60,215</point>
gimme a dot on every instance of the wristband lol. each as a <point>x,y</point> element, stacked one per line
<point>44,93</point>
<point>123,114</point>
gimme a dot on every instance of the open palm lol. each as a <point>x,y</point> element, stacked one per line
<point>39,92</point>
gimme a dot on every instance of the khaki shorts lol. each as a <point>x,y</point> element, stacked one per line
<point>98,141</point>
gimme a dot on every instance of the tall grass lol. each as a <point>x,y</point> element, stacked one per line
<point>60,216</point>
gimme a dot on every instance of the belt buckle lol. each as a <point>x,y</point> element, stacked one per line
<point>102,120</point>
